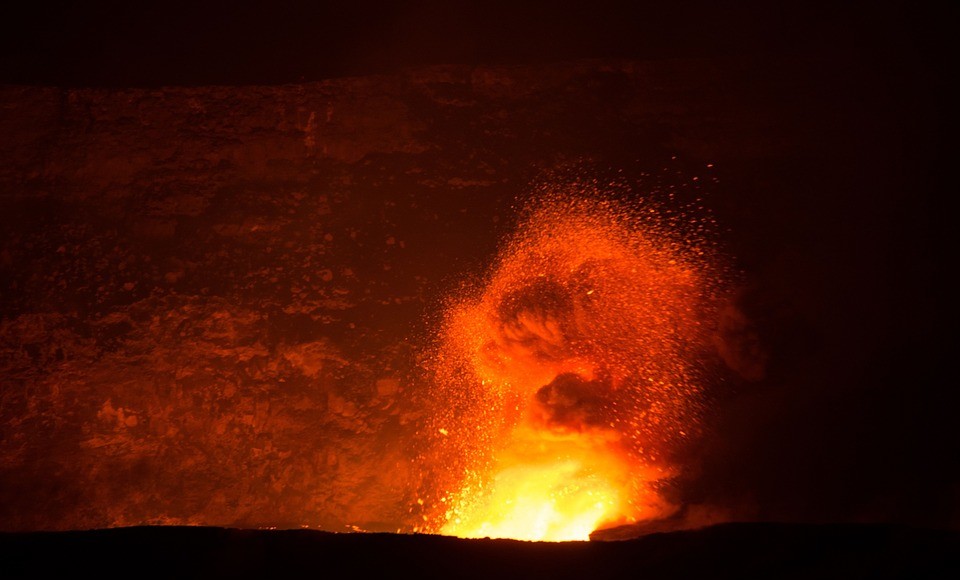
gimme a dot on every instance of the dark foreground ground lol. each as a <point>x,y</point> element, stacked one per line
<point>722,551</point>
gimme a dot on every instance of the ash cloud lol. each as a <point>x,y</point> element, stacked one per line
<point>572,403</point>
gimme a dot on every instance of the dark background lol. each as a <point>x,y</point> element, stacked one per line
<point>842,235</point>
<point>217,42</point>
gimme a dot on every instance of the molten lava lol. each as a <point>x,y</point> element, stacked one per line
<point>569,375</point>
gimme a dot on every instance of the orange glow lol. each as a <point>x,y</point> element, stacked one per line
<point>550,487</point>
<point>570,373</point>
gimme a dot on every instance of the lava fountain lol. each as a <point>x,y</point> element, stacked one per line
<point>570,374</point>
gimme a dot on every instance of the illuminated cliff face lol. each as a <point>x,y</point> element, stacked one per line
<point>574,368</point>
<point>278,402</point>
<point>213,296</point>
<point>213,299</point>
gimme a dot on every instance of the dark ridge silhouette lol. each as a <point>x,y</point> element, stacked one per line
<point>723,551</point>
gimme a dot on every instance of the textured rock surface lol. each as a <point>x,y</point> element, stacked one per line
<point>213,297</point>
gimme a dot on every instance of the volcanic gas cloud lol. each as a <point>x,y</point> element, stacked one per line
<point>570,374</point>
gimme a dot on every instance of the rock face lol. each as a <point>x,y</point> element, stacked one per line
<point>212,298</point>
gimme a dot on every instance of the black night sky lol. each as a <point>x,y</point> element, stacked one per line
<point>250,42</point>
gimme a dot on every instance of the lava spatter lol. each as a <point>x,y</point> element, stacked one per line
<point>567,377</point>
